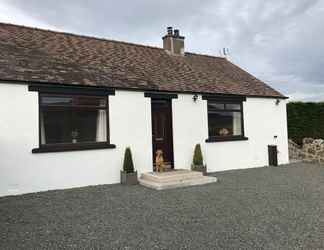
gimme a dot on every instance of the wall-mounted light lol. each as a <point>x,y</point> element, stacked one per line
<point>195,97</point>
<point>277,102</point>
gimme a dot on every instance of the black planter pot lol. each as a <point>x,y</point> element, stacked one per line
<point>200,168</point>
<point>128,178</point>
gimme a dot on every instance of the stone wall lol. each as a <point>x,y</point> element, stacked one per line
<point>295,151</point>
<point>312,150</point>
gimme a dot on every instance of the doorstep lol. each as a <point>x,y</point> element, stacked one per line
<point>174,179</point>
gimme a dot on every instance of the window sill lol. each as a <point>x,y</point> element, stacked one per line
<point>73,147</point>
<point>229,138</point>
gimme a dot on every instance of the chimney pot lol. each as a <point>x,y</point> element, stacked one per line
<point>173,42</point>
<point>170,31</point>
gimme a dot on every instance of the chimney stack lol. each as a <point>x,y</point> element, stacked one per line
<point>173,43</point>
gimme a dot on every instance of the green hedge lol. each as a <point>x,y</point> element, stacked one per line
<point>305,119</point>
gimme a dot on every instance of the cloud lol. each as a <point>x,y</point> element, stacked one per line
<point>10,14</point>
<point>280,42</point>
<point>306,97</point>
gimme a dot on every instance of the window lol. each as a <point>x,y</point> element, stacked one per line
<point>225,120</point>
<point>72,122</point>
<point>72,119</point>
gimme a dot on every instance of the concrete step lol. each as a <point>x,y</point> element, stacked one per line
<point>182,180</point>
<point>175,175</point>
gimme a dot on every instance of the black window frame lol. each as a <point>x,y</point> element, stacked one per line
<point>72,91</point>
<point>226,100</point>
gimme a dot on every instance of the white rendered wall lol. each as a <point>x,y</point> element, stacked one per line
<point>190,126</point>
<point>130,125</point>
<point>263,120</point>
<point>23,172</point>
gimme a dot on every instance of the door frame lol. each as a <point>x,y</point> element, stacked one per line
<point>166,97</point>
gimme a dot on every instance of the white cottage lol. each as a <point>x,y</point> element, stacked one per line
<point>71,104</point>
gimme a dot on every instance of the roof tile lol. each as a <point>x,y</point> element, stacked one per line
<point>31,54</point>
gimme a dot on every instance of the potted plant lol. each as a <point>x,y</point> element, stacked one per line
<point>128,176</point>
<point>197,162</point>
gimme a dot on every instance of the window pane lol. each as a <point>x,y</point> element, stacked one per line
<point>73,126</point>
<point>56,127</point>
<point>84,126</point>
<point>233,106</point>
<point>90,101</point>
<point>213,105</point>
<point>56,100</point>
<point>224,123</point>
<point>73,100</point>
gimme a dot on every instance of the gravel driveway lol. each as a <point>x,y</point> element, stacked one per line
<point>263,208</point>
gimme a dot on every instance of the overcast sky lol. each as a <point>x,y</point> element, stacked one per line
<point>280,42</point>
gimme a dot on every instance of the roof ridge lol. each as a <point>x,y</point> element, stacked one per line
<point>80,35</point>
<point>101,39</point>
<point>206,55</point>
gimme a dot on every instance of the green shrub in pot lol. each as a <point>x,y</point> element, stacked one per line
<point>128,176</point>
<point>197,161</point>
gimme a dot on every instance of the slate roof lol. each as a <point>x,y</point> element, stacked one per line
<point>36,55</point>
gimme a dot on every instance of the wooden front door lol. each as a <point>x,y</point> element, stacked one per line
<point>162,130</point>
